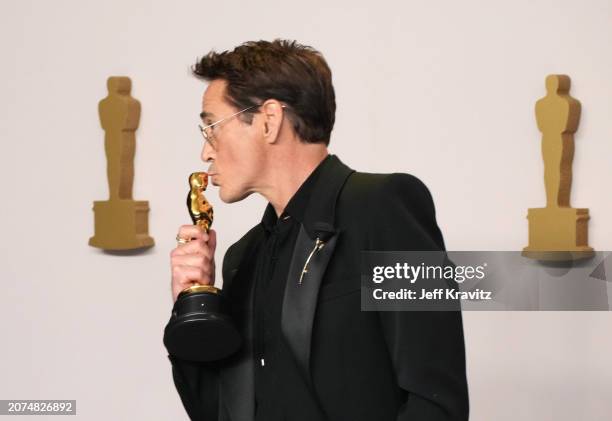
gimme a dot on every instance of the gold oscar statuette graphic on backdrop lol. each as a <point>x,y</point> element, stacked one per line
<point>121,223</point>
<point>200,327</point>
<point>558,232</point>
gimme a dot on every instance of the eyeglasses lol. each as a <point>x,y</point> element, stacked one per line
<point>207,131</point>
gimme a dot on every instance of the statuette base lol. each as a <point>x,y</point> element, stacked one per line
<point>558,234</point>
<point>121,225</point>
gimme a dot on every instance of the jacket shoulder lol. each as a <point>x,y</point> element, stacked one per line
<point>373,187</point>
<point>392,202</point>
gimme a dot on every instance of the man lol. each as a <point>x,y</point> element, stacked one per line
<point>309,352</point>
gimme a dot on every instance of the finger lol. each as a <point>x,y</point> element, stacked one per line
<point>197,246</point>
<point>186,275</point>
<point>195,260</point>
<point>189,232</point>
<point>212,240</point>
<point>178,287</point>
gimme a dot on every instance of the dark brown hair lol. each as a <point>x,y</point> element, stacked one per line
<point>294,74</point>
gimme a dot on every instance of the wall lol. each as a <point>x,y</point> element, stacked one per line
<point>443,90</point>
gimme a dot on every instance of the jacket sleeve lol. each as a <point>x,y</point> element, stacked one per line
<point>426,347</point>
<point>198,386</point>
<point>197,383</point>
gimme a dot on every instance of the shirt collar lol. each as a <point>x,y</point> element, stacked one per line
<point>296,207</point>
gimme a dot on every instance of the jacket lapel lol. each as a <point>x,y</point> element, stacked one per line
<point>313,250</point>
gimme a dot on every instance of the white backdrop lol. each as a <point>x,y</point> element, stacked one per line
<point>442,90</point>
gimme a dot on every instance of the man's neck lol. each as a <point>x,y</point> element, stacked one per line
<point>288,173</point>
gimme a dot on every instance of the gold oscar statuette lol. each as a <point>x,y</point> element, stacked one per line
<point>200,327</point>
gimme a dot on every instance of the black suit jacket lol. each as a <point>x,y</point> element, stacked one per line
<point>343,363</point>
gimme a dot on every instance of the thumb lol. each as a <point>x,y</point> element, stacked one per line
<point>212,240</point>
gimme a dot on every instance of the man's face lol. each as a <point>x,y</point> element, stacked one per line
<point>237,159</point>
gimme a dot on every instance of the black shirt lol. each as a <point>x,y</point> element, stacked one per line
<point>270,277</point>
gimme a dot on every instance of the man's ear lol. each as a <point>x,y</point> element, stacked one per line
<point>273,118</point>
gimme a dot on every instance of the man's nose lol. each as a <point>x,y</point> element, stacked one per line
<point>208,153</point>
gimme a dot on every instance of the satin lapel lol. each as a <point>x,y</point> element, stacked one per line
<point>237,377</point>
<point>300,300</point>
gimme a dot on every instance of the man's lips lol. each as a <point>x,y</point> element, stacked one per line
<point>212,175</point>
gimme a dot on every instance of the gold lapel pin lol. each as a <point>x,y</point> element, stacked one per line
<point>318,246</point>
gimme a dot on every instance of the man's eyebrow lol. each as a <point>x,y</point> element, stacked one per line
<point>205,114</point>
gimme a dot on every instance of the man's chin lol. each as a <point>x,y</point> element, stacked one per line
<point>231,197</point>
